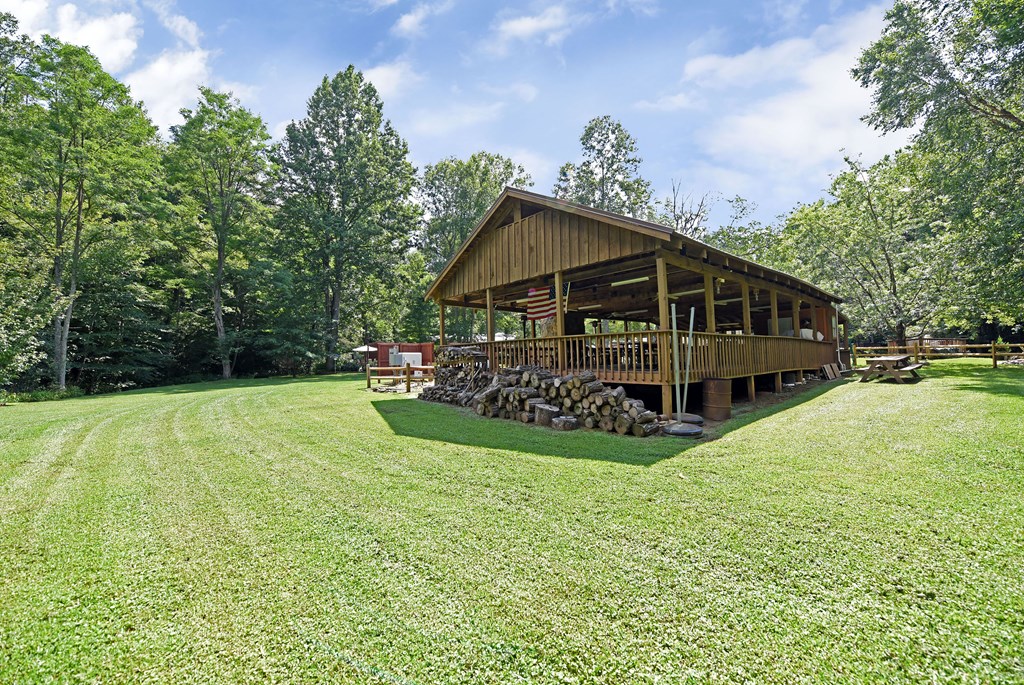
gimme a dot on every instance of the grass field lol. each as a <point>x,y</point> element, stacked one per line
<point>309,531</point>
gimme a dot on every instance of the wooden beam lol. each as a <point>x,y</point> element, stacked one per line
<point>748,328</point>
<point>796,316</point>
<point>490,316</point>
<point>440,321</point>
<point>709,301</point>
<point>517,210</point>
<point>663,316</point>
<point>773,296</point>
<point>559,305</point>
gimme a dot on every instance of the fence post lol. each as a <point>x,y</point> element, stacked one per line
<point>367,374</point>
<point>994,364</point>
<point>853,361</point>
<point>408,377</point>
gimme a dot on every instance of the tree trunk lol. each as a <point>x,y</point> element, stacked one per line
<point>332,333</point>
<point>901,334</point>
<point>218,315</point>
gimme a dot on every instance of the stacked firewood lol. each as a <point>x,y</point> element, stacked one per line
<point>459,374</point>
<point>532,394</point>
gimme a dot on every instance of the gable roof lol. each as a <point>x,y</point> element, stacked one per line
<point>661,234</point>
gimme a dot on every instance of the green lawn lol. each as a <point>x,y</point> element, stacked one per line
<point>309,531</point>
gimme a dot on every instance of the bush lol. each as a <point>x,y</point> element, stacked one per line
<point>43,395</point>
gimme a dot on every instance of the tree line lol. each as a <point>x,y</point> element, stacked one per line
<point>127,259</point>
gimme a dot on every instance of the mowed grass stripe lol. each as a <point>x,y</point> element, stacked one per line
<point>311,532</point>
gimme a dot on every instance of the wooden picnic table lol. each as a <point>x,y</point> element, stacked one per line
<point>893,366</point>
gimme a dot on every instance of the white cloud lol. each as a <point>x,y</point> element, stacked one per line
<point>180,26</point>
<point>645,7</point>
<point>787,109</point>
<point>410,24</point>
<point>393,79</point>
<point>550,27</point>
<point>170,82</point>
<point>538,165</point>
<point>521,90</point>
<point>32,15</point>
<point>454,118</point>
<point>113,38</point>
<point>668,103</point>
<point>381,4</point>
<point>783,13</point>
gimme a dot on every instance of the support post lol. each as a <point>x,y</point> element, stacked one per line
<point>709,301</point>
<point>408,377</point>
<point>559,321</point>
<point>748,329</point>
<point>490,316</point>
<point>773,299</point>
<point>814,322</point>
<point>440,321</point>
<point>367,373</point>
<point>533,328</point>
<point>995,364</point>
<point>665,326</point>
<point>796,317</point>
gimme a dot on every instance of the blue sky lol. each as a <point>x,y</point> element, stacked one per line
<point>749,98</point>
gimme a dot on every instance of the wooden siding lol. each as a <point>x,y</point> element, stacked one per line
<point>539,245</point>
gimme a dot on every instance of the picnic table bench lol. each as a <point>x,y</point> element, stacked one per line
<point>893,366</point>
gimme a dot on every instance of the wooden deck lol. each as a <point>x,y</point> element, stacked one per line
<point>645,357</point>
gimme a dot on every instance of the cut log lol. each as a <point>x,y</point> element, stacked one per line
<point>647,417</point>
<point>565,423</point>
<point>592,387</point>
<point>576,394</point>
<point>617,395</point>
<point>566,402</point>
<point>526,416</point>
<point>606,409</point>
<point>642,430</point>
<point>623,424</point>
<point>587,377</point>
<point>545,412</point>
<point>606,423</point>
<point>590,421</point>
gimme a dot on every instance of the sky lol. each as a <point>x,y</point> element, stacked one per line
<point>726,98</point>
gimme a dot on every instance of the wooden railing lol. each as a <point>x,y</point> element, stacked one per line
<point>994,351</point>
<point>646,356</point>
<point>398,374</point>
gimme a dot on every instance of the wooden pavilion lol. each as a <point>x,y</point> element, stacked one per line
<point>749,317</point>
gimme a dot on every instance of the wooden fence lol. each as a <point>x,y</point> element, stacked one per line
<point>397,374</point>
<point>646,356</point>
<point>993,351</point>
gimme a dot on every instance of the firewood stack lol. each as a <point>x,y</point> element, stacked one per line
<point>532,394</point>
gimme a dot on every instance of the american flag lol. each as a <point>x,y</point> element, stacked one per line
<point>540,302</point>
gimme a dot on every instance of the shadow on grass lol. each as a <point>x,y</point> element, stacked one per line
<point>235,383</point>
<point>414,418</point>
<point>979,376</point>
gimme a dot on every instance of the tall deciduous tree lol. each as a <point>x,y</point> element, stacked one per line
<point>345,187</point>
<point>875,245</point>
<point>77,154</point>
<point>955,70</point>
<point>217,161</point>
<point>455,194</point>
<point>609,176</point>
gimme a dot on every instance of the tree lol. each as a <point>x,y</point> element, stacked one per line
<point>455,194</point>
<point>217,162</point>
<point>683,214</point>
<point>24,310</point>
<point>77,156</point>
<point>956,71</point>
<point>608,178</point>
<point>747,237</point>
<point>874,245</point>
<point>344,187</point>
